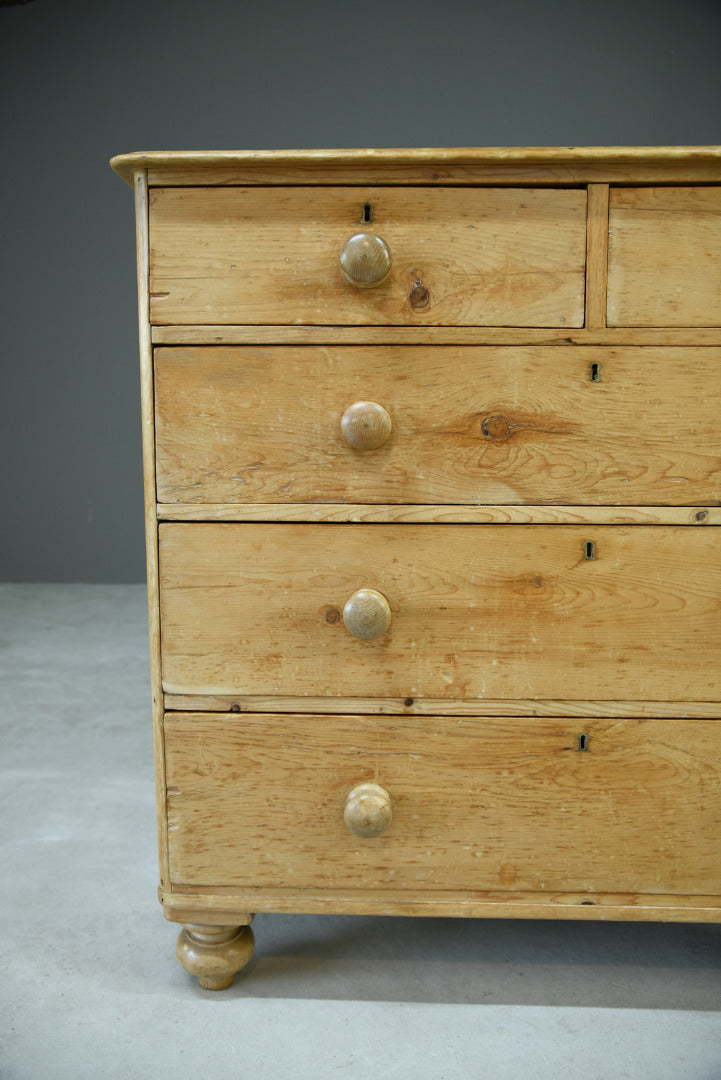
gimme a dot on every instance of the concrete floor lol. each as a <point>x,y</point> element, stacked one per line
<point>91,987</point>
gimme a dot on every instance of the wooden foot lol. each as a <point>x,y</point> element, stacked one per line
<point>215,953</point>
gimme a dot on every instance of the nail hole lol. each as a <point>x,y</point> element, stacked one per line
<point>595,372</point>
<point>589,550</point>
<point>583,743</point>
<point>367,213</point>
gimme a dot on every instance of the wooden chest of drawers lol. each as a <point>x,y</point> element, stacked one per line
<point>433,475</point>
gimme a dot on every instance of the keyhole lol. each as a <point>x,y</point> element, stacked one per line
<point>589,550</point>
<point>583,743</point>
<point>595,372</point>
<point>367,213</point>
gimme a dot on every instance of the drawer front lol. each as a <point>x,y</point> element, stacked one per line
<point>255,801</point>
<point>458,256</point>
<point>623,426</point>
<point>476,611</point>
<point>664,258</point>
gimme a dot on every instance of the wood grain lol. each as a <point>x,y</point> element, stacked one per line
<point>477,165</point>
<point>366,425</point>
<point>477,804</point>
<point>545,724</point>
<point>150,508</point>
<point>664,255</point>
<point>287,703</point>
<point>469,425</point>
<point>213,953</point>
<point>467,903</point>
<point>409,176</point>
<point>597,256</point>
<point>497,256</point>
<point>460,513</point>
<point>429,335</point>
<point>256,609</point>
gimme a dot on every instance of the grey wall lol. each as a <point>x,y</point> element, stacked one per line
<point>83,80</point>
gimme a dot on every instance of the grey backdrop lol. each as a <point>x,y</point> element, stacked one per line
<point>83,80</point>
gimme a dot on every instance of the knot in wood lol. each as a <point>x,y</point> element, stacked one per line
<point>496,427</point>
<point>419,296</point>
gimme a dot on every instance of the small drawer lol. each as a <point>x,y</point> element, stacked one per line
<point>360,802</point>
<point>664,257</point>
<point>441,611</point>
<point>425,424</point>
<point>453,256</point>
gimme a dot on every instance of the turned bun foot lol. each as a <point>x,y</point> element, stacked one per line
<point>215,953</point>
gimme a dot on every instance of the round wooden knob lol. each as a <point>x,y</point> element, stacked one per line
<point>368,810</point>
<point>365,260</point>
<point>367,614</point>
<point>366,425</point>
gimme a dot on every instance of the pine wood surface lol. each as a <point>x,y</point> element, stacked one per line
<point>477,804</point>
<point>461,514</point>
<point>287,703</point>
<point>597,256</point>
<point>491,425</point>
<point>496,256</point>
<point>150,506</point>
<point>428,165</point>
<point>215,953</point>
<point>429,335</point>
<point>578,173</point>
<point>663,257</point>
<point>256,609</point>
<point>193,903</point>
<point>512,271</point>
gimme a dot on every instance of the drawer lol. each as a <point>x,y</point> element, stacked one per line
<point>476,611</point>
<point>458,256</point>
<point>664,258</point>
<point>254,801</point>
<point>424,424</point>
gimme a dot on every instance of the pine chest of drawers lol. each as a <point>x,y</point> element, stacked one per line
<point>433,476</point>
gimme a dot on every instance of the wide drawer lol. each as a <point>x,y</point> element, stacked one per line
<point>476,611</point>
<point>476,804</point>
<point>664,257</point>
<point>623,426</point>
<point>464,256</point>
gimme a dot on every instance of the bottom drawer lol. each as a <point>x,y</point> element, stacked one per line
<point>530,805</point>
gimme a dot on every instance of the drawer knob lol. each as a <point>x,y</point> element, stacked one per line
<point>367,614</point>
<point>366,425</point>
<point>368,810</point>
<point>365,260</point>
